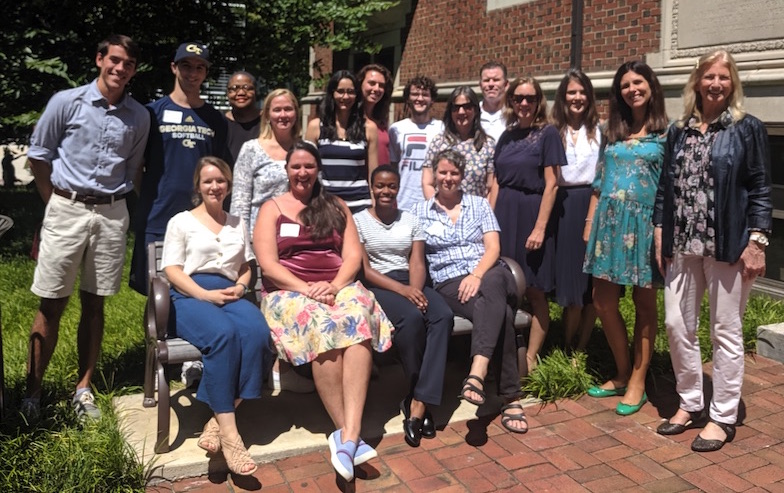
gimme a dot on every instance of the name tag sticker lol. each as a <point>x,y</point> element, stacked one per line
<point>171,116</point>
<point>435,229</point>
<point>289,230</point>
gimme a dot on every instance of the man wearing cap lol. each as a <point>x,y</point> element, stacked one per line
<point>185,128</point>
<point>84,154</point>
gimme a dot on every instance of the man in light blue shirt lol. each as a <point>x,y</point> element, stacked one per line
<point>84,154</point>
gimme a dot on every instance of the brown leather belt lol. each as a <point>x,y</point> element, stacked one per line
<point>89,199</point>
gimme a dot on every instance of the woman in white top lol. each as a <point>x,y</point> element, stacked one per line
<point>574,114</point>
<point>259,172</point>
<point>206,254</point>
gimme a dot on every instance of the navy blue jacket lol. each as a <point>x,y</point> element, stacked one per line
<point>740,159</point>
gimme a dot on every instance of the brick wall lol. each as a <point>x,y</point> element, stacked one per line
<point>449,40</point>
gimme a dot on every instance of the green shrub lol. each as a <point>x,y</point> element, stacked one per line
<point>559,376</point>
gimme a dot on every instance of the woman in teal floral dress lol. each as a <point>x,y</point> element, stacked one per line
<point>619,231</point>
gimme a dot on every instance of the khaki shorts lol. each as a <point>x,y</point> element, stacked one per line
<point>81,239</point>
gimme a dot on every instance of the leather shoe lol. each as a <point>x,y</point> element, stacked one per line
<point>412,427</point>
<point>428,425</point>
<point>702,445</point>
<point>627,409</point>
<point>669,428</point>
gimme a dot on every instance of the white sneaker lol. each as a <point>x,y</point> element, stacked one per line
<point>291,381</point>
<point>191,373</point>
<point>84,406</point>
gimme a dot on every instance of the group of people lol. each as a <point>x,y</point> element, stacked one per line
<point>370,234</point>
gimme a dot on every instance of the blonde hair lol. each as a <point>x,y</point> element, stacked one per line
<point>203,162</point>
<point>691,96</point>
<point>266,126</point>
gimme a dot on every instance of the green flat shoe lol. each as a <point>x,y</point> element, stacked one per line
<point>627,409</point>
<point>600,392</point>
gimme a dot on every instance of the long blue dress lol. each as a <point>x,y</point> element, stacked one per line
<point>620,247</point>
<point>520,158</point>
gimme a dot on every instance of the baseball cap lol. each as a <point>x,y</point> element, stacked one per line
<point>192,49</point>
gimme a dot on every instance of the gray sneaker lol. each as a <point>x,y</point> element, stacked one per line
<point>84,406</point>
<point>191,373</point>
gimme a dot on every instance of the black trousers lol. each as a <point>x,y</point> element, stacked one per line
<point>492,312</point>
<point>421,338</point>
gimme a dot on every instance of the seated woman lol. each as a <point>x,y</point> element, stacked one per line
<point>205,258</point>
<point>394,264</point>
<point>309,253</point>
<point>462,250</point>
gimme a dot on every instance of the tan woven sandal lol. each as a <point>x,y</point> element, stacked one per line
<point>237,456</point>
<point>210,437</point>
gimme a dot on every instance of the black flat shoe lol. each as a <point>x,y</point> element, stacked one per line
<point>428,425</point>
<point>702,445</point>
<point>696,418</point>
<point>412,427</point>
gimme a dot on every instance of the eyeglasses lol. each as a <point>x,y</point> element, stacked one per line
<point>465,106</point>
<point>346,92</point>
<point>244,87</point>
<point>519,98</point>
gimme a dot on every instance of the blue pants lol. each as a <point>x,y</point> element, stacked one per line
<point>421,338</point>
<point>234,340</point>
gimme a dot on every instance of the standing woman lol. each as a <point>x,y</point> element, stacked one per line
<point>376,83</point>
<point>347,142</point>
<point>462,132</point>
<point>259,173</point>
<point>712,217</point>
<point>574,115</point>
<point>619,230</point>
<point>394,265</point>
<point>206,254</point>
<point>528,158</point>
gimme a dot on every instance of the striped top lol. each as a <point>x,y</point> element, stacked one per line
<point>388,245</point>
<point>345,171</point>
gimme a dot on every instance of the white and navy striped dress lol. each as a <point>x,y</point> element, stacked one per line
<point>345,171</point>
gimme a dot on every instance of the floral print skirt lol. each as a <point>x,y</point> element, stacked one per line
<point>620,247</point>
<point>303,328</point>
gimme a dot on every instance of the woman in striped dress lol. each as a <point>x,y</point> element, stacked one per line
<point>346,141</point>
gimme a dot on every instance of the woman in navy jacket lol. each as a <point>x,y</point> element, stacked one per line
<point>712,216</point>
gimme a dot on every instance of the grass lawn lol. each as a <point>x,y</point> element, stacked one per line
<point>57,455</point>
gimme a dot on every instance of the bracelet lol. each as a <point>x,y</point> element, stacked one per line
<point>589,220</point>
<point>245,288</point>
<point>474,275</point>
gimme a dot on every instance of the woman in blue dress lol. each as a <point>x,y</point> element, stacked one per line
<point>619,230</point>
<point>528,159</point>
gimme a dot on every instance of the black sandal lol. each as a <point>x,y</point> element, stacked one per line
<point>702,445</point>
<point>468,386</point>
<point>507,417</point>
<point>696,418</point>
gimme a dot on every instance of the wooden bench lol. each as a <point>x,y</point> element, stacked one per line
<point>165,349</point>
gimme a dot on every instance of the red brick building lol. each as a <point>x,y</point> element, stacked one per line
<point>448,40</point>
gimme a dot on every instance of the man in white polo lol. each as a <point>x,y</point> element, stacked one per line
<point>493,83</point>
<point>84,154</point>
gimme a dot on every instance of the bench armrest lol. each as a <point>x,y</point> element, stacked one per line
<point>158,303</point>
<point>519,277</point>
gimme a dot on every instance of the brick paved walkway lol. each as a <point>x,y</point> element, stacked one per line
<point>577,445</point>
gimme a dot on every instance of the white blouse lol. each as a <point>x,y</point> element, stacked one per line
<point>190,244</point>
<point>581,158</point>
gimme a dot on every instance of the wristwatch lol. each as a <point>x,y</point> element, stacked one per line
<point>760,238</point>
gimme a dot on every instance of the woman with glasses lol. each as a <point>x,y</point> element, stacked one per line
<point>463,133</point>
<point>528,160</point>
<point>346,141</point>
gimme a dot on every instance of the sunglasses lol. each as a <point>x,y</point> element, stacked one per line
<point>519,98</point>
<point>464,106</point>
